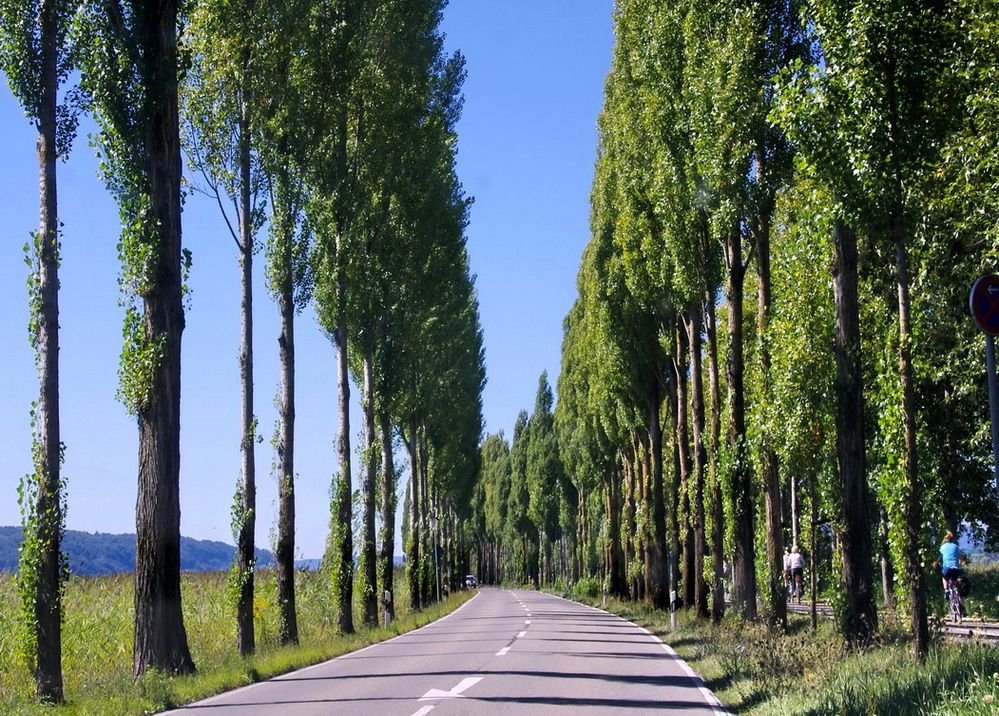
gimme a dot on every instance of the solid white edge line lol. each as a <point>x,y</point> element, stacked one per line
<point>279,677</point>
<point>709,696</point>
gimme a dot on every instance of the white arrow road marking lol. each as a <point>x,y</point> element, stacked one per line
<point>463,685</point>
<point>503,651</point>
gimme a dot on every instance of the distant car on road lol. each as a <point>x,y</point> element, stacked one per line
<point>470,581</point>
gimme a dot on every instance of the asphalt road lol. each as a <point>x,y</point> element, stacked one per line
<point>503,652</point>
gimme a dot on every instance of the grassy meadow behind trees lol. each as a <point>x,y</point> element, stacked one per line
<point>97,641</point>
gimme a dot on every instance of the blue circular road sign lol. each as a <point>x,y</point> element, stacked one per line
<point>984,302</point>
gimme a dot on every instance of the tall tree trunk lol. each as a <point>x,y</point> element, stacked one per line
<point>773,509</point>
<point>160,637</point>
<point>388,516</point>
<point>813,576</point>
<point>744,559</point>
<point>248,488</point>
<point>429,564</point>
<point>860,616</point>
<point>48,450</point>
<point>795,510</point>
<point>674,487</point>
<point>366,563</point>
<point>717,508</point>
<point>413,551</point>
<point>683,443</point>
<point>658,577</point>
<point>343,540</point>
<point>887,568</point>
<point>618,582</point>
<point>913,491</point>
<point>700,456</point>
<point>285,552</point>
<point>628,521</point>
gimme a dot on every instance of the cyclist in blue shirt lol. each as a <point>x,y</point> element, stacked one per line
<point>950,561</point>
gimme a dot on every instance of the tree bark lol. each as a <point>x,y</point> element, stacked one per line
<point>717,508</point>
<point>628,524</point>
<point>618,581</point>
<point>860,617</point>
<point>683,443</point>
<point>674,489</point>
<point>428,566</point>
<point>744,560</point>
<point>913,490</point>
<point>658,577</point>
<point>887,568</point>
<point>343,542</point>
<point>388,517</point>
<point>245,640</point>
<point>366,562</point>
<point>413,551</point>
<point>48,450</point>
<point>160,637</point>
<point>285,552</point>
<point>773,509</point>
<point>693,325</point>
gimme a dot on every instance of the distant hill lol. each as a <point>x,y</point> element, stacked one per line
<point>101,553</point>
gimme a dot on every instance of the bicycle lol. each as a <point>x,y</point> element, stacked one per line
<point>953,594</point>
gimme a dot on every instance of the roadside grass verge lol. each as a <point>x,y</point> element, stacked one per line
<point>984,580</point>
<point>97,642</point>
<point>754,672</point>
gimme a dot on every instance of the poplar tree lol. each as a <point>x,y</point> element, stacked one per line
<point>220,114</point>
<point>130,71</point>
<point>36,57</point>
<point>289,276</point>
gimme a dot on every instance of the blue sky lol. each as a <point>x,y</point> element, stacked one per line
<point>527,143</point>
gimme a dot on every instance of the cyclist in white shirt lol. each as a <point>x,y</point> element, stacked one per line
<point>797,564</point>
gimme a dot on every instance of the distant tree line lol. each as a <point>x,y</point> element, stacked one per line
<point>332,125</point>
<point>101,553</point>
<point>771,341</point>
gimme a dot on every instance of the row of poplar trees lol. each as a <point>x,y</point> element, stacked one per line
<point>332,124</point>
<point>771,341</point>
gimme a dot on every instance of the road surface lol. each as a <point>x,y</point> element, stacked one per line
<point>503,652</point>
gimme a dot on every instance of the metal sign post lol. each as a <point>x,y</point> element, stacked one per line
<point>984,304</point>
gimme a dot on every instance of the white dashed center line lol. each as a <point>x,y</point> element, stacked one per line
<point>503,651</point>
<point>521,635</point>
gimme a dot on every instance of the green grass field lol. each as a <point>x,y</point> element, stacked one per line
<point>97,642</point>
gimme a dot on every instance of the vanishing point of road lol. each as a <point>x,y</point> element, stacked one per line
<point>503,652</point>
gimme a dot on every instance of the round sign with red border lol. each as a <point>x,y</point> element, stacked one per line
<point>985,303</point>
